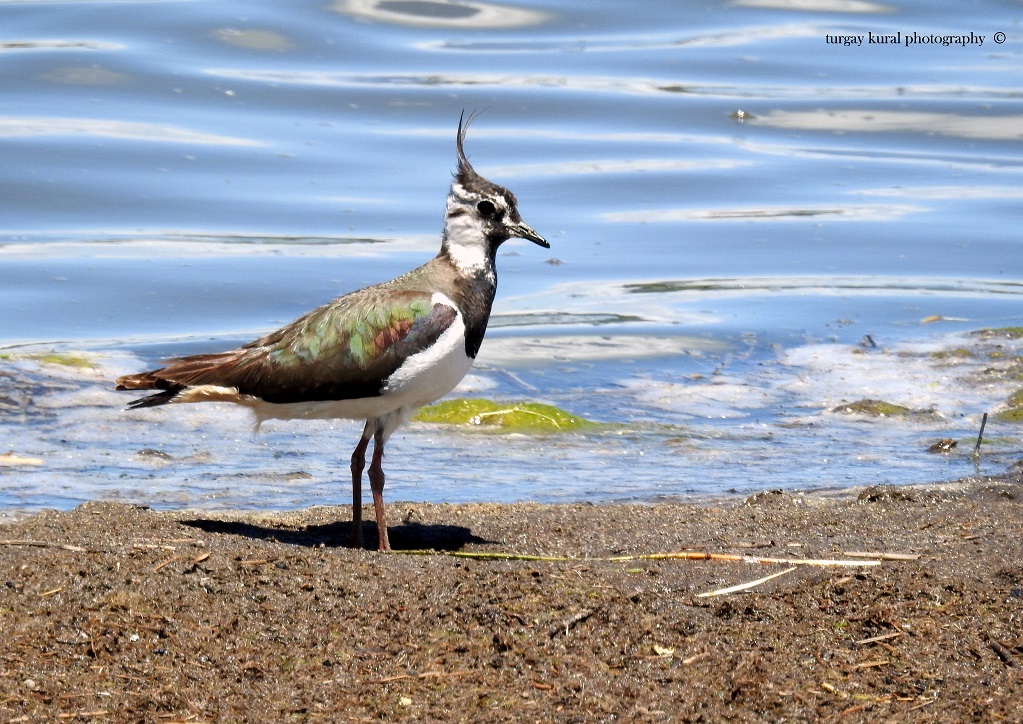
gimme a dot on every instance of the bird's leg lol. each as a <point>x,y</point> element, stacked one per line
<point>376,482</point>
<point>358,463</point>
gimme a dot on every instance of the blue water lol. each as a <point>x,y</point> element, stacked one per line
<point>733,202</point>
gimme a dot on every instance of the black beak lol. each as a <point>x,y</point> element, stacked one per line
<point>521,230</point>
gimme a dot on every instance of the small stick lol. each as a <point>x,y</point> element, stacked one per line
<point>883,556</point>
<point>853,709</point>
<point>684,555</point>
<point>164,563</point>
<point>875,639</point>
<point>701,556</point>
<point>482,555</point>
<point>872,664</point>
<point>478,418</point>
<point>41,544</point>
<point>84,714</point>
<point>980,437</point>
<point>1003,653</point>
<point>424,675</point>
<point>570,623</point>
<point>745,586</point>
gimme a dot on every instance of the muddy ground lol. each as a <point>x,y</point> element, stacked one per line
<point>116,613</point>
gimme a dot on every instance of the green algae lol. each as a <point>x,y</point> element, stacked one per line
<point>1012,415</point>
<point>958,353</point>
<point>1003,332</point>
<point>491,415</point>
<point>65,359</point>
<point>873,408</point>
<point>1014,411</point>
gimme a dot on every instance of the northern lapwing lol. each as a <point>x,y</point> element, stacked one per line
<point>375,354</point>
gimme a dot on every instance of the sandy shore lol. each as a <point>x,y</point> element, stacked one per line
<point>113,612</point>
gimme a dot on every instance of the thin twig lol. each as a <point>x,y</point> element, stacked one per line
<point>478,418</point>
<point>571,622</point>
<point>883,556</point>
<point>41,544</point>
<point>482,555</point>
<point>999,648</point>
<point>877,639</point>
<point>683,555</point>
<point>165,562</point>
<point>84,714</point>
<point>980,436</point>
<point>872,664</point>
<point>745,586</point>
<point>424,675</point>
<point>703,556</point>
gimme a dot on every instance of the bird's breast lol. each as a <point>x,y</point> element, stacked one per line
<point>432,372</point>
<point>422,378</point>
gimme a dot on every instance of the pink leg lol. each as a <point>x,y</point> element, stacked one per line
<point>358,463</point>
<point>376,482</point>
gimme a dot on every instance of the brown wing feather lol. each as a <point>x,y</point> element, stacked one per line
<point>178,372</point>
<point>344,350</point>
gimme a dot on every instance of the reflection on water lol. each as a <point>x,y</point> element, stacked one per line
<point>87,76</point>
<point>441,13</point>
<point>852,212</point>
<point>254,39</point>
<point>20,127</point>
<point>946,192</point>
<point>819,286</point>
<point>617,166</point>
<point>687,416</point>
<point>824,6</point>
<point>524,350</point>
<point>987,126</point>
<point>13,45</point>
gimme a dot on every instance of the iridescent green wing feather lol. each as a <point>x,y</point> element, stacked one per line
<point>347,333</point>
<point>349,348</point>
<point>344,350</point>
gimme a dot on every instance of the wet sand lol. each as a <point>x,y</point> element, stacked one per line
<point>114,613</point>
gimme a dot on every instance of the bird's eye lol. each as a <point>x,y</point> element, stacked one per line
<point>486,208</point>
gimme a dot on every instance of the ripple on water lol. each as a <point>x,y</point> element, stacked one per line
<point>758,422</point>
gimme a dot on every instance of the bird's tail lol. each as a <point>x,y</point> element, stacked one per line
<point>149,381</point>
<point>177,377</point>
<point>161,398</point>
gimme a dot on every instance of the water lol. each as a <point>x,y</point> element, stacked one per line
<point>734,204</point>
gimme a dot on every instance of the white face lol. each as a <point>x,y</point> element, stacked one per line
<point>466,227</point>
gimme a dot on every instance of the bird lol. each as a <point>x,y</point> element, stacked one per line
<point>376,354</point>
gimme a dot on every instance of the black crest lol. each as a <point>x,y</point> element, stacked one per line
<point>466,174</point>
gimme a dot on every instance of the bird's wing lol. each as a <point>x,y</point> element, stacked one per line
<point>344,350</point>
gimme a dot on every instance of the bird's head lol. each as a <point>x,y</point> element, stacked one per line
<point>480,215</point>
